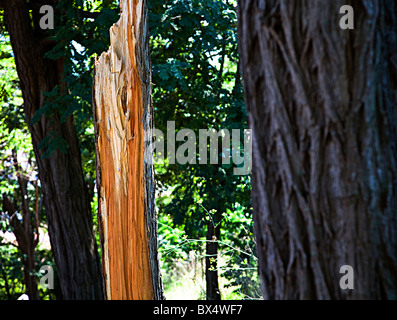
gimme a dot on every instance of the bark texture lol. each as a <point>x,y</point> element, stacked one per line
<point>322,107</point>
<point>123,117</point>
<point>64,190</point>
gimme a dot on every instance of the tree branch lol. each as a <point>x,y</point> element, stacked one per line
<point>36,216</point>
<point>16,224</point>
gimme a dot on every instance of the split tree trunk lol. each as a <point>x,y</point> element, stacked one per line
<point>322,107</point>
<point>64,190</point>
<point>123,117</point>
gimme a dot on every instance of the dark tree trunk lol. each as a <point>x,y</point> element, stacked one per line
<point>211,262</point>
<point>65,193</point>
<point>322,107</point>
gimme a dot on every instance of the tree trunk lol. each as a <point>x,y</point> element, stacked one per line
<point>211,261</point>
<point>65,193</point>
<point>123,118</point>
<point>27,237</point>
<point>322,107</point>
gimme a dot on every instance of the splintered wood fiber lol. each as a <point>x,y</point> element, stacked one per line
<point>120,143</point>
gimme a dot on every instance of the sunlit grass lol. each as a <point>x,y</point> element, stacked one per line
<point>187,282</point>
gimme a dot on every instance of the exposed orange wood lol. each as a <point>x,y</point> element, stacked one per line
<point>118,98</point>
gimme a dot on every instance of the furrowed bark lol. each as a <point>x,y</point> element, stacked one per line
<point>123,116</point>
<point>64,190</point>
<point>322,107</point>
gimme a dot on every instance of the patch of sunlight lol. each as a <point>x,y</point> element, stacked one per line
<point>187,281</point>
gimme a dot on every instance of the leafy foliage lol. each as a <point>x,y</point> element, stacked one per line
<point>78,40</point>
<point>14,135</point>
<point>196,83</point>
